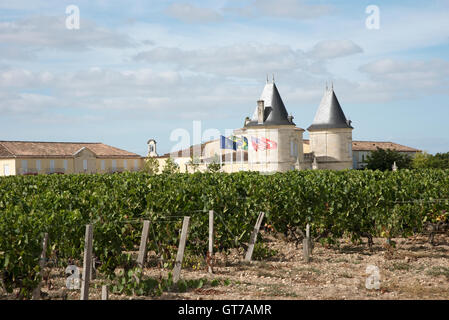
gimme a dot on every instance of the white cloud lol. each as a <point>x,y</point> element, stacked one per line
<point>425,75</point>
<point>26,103</point>
<point>243,60</point>
<point>23,37</point>
<point>330,49</point>
<point>164,93</point>
<point>192,14</point>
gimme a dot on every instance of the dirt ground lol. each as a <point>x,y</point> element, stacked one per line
<point>414,269</point>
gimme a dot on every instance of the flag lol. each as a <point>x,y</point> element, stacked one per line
<point>226,143</point>
<point>263,144</point>
<point>241,142</point>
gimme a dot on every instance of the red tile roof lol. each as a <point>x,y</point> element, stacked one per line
<point>373,145</point>
<point>35,149</point>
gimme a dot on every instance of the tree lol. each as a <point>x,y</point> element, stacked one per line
<point>214,166</point>
<point>151,165</point>
<point>383,159</point>
<point>421,160</point>
<point>170,167</point>
<point>425,161</point>
<point>194,163</point>
<point>440,160</point>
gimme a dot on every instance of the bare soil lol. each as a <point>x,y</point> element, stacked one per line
<point>412,269</point>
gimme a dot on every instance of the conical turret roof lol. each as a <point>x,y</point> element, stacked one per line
<point>275,111</point>
<point>329,114</point>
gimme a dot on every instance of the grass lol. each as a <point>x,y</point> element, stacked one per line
<point>279,290</point>
<point>308,269</point>
<point>399,266</point>
<point>439,271</point>
<point>346,275</point>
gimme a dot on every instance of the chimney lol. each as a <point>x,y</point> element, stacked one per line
<point>260,111</point>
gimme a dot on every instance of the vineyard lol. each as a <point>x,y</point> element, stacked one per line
<point>353,204</point>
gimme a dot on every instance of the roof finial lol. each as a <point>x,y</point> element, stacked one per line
<point>267,77</point>
<point>273,77</point>
<point>332,86</point>
<point>327,88</point>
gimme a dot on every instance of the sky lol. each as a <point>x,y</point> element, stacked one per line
<point>140,70</point>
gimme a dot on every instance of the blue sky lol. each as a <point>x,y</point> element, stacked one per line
<point>142,69</point>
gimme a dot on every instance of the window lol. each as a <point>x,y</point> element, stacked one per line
<point>114,164</point>
<point>151,148</point>
<point>136,164</point>
<point>52,165</point>
<point>292,148</point>
<point>25,165</point>
<point>85,164</point>
<point>125,164</point>
<point>6,169</point>
<point>350,149</point>
<point>65,165</point>
<point>103,165</point>
<point>38,165</point>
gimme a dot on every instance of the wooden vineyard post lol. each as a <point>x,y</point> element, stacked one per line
<point>87,265</point>
<point>181,247</point>
<point>309,238</point>
<point>253,239</point>
<point>306,250</point>
<point>211,241</point>
<point>143,244</point>
<point>104,293</point>
<point>37,290</point>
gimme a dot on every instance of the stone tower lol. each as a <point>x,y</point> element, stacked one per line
<point>331,134</point>
<point>275,143</point>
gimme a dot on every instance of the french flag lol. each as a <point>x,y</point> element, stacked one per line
<point>263,144</point>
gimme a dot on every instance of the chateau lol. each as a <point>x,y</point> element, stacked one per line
<point>270,141</point>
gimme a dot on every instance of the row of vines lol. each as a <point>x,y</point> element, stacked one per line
<point>335,204</point>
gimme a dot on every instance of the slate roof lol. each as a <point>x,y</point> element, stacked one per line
<point>37,149</point>
<point>329,114</point>
<point>275,111</point>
